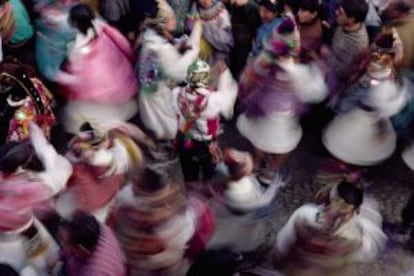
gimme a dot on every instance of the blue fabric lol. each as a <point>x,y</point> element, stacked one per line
<point>51,45</point>
<point>263,33</point>
<point>23,28</point>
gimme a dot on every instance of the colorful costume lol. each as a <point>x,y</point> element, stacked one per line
<point>24,99</point>
<point>53,34</point>
<point>324,239</point>
<point>362,134</point>
<point>198,109</point>
<point>160,67</point>
<point>94,90</point>
<point>23,240</point>
<point>100,162</point>
<point>160,229</point>
<point>273,90</point>
<point>217,37</point>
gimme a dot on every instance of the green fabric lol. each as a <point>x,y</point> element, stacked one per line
<point>23,29</point>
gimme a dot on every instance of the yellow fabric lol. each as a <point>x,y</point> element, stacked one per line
<point>205,49</point>
<point>134,151</point>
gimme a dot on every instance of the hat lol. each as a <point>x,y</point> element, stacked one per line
<point>159,14</point>
<point>239,163</point>
<point>273,5</point>
<point>284,40</point>
<point>198,74</point>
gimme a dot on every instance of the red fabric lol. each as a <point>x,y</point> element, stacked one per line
<point>204,229</point>
<point>90,189</point>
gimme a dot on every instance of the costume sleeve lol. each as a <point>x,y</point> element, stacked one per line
<point>175,64</point>
<point>287,235</point>
<point>308,81</point>
<point>223,100</point>
<point>218,32</point>
<point>57,168</point>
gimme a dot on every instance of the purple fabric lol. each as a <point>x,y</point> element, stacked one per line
<point>273,93</point>
<point>107,258</point>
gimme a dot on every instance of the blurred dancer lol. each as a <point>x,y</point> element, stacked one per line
<point>324,239</point>
<point>53,34</point>
<point>89,248</point>
<point>361,134</point>
<point>198,108</point>
<point>31,173</point>
<point>100,162</point>
<point>160,229</point>
<point>241,209</point>
<point>162,65</point>
<point>217,38</point>
<point>23,99</point>
<point>94,90</point>
<point>273,90</point>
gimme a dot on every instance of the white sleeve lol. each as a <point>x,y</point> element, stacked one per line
<point>57,168</point>
<point>175,64</point>
<point>222,101</point>
<point>286,237</point>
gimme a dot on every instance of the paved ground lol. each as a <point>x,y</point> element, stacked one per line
<point>391,184</point>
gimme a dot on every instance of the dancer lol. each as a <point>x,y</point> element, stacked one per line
<point>160,229</point>
<point>94,90</point>
<point>361,134</point>
<point>161,66</point>
<point>273,90</point>
<point>198,108</point>
<point>241,209</point>
<point>31,173</point>
<point>100,161</point>
<point>324,239</point>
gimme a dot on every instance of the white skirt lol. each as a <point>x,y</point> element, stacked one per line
<point>408,156</point>
<point>353,138</point>
<point>157,113</point>
<point>76,113</point>
<point>277,133</point>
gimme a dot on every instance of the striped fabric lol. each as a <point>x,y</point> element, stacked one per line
<point>7,22</point>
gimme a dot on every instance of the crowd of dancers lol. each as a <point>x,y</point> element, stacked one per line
<point>112,118</point>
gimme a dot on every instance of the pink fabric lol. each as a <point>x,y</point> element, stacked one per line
<point>90,189</point>
<point>17,197</point>
<point>106,259</point>
<point>105,74</point>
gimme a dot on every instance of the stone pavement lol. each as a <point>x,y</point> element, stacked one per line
<point>391,183</point>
